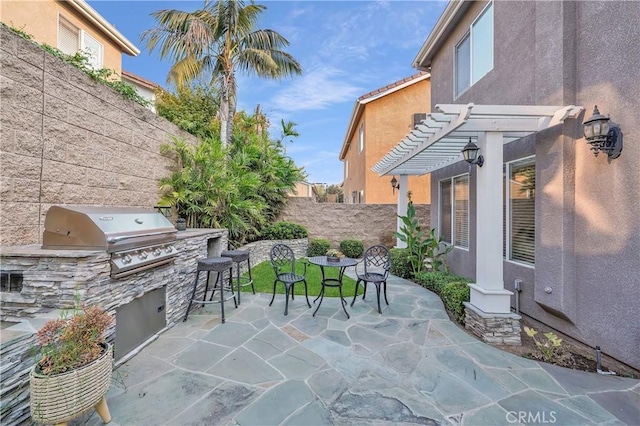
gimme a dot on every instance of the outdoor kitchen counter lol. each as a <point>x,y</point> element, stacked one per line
<point>36,250</point>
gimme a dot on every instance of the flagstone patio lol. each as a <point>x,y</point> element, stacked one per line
<point>410,365</point>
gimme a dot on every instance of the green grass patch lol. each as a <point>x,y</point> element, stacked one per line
<point>263,277</point>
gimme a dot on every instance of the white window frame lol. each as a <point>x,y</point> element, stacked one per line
<point>361,137</point>
<point>507,209</point>
<point>84,38</point>
<point>452,180</point>
<point>469,34</point>
<point>346,169</point>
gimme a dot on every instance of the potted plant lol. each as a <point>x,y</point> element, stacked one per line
<point>333,255</point>
<point>73,372</point>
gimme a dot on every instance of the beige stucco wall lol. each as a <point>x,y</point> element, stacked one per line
<point>66,139</point>
<point>387,121</point>
<point>40,20</point>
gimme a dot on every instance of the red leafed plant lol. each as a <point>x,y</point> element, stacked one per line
<point>72,342</point>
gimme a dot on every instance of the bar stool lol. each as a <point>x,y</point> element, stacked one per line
<point>219,265</point>
<point>239,256</point>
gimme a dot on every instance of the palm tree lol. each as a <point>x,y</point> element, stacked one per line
<point>216,41</point>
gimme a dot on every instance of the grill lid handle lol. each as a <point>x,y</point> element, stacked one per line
<point>126,237</point>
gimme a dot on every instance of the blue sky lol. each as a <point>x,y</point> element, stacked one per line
<point>346,49</point>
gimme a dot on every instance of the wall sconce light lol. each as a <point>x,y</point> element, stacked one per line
<point>394,184</point>
<point>470,154</point>
<point>602,134</point>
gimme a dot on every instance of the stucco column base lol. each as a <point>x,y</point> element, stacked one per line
<point>494,301</point>
<point>501,329</point>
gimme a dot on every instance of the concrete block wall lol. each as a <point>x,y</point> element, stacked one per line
<point>66,139</point>
<point>370,223</point>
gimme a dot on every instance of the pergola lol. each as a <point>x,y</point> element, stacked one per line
<point>438,142</point>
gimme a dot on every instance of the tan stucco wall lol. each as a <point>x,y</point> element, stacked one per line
<point>66,139</point>
<point>387,121</point>
<point>302,190</point>
<point>40,20</point>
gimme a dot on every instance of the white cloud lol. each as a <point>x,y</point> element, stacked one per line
<point>316,89</point>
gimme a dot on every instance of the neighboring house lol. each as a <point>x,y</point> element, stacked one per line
<point>378,121</point>
<point>543,214</point>
<point>71,26</point>
<point>145,88</point>
<point>303,189</point>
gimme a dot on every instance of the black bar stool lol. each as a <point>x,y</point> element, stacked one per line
<point>239,256</point>
<point>219,265</point>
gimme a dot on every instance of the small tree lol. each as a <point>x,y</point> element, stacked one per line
<point>420,244</point>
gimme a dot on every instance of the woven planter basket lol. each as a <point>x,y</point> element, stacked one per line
<point>62,397</point>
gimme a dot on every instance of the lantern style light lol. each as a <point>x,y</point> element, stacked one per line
<point>602,134</point>
<point>470,154</point>
<point>394,184</point>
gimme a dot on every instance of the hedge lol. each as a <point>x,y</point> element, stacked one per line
<point>452,289</point>
<point>285,231</point>
<point>400,263</point>
<point>318,247</point>
<point>352,248</point>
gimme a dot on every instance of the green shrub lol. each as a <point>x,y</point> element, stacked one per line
<point>285,231</point>
<point>453,294</point>
<point>401,263</point>
<point>452,289</point>
<point>318,247</point>
<point>352,248</point>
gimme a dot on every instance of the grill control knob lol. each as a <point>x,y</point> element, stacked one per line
<point>156,251</point>
<point>126,258</point>
<point>169,249</point>
<point>143,254</point>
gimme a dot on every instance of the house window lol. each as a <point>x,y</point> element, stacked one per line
<point>520,195</point>
<point>474,54</point>
<point>346,169</point>
<point>72,39</point>
<point>361,197</point>
<point>454,210</point>
<point>354,195</point>
<point>361,138</point>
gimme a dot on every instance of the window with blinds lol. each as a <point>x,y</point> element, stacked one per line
<point>72,39</point>
<point>68,37</point>
<point>454,210</point>
<point>461,210</point>
<point>521,192</point>
<point>445,210</point>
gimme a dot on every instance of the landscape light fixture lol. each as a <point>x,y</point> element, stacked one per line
<point>394,184</point>
<point>602,134</point>
<point>470,154</point>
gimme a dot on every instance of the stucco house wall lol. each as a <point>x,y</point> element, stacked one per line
<point>386,120</point>
<point>586,279</point>
<point>39,19</point>
<point>66,139</point>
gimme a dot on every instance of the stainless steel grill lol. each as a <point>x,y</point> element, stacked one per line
<point>137,239</point>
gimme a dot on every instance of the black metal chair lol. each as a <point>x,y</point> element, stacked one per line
<point>376,264</point>
<point>283,262</point>
<point>218,265</point>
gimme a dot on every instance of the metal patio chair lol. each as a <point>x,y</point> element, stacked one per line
<point>376,263</point>
<point>283,262</point>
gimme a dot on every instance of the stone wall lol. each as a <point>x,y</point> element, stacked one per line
<point>370,223</point>
<point>66,139</point>
<point>259,250</point>
<point>53,280</point>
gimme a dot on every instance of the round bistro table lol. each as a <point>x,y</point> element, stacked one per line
<point>342,264</point>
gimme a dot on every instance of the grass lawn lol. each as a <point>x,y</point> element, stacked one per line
<point>263,277</point>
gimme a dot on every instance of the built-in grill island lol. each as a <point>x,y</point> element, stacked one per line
<point>130,261</point>
<point>136,239</point>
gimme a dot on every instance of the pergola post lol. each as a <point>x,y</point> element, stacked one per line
<point>403,200</point>
<point>489,313</point>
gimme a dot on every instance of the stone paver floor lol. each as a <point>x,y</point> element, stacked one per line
<point>410,365</point>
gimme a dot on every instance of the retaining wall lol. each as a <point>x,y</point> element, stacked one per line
<point>67,139</point>
<point>370,223</point>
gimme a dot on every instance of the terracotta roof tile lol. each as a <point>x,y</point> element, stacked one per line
<point>390,86</point>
